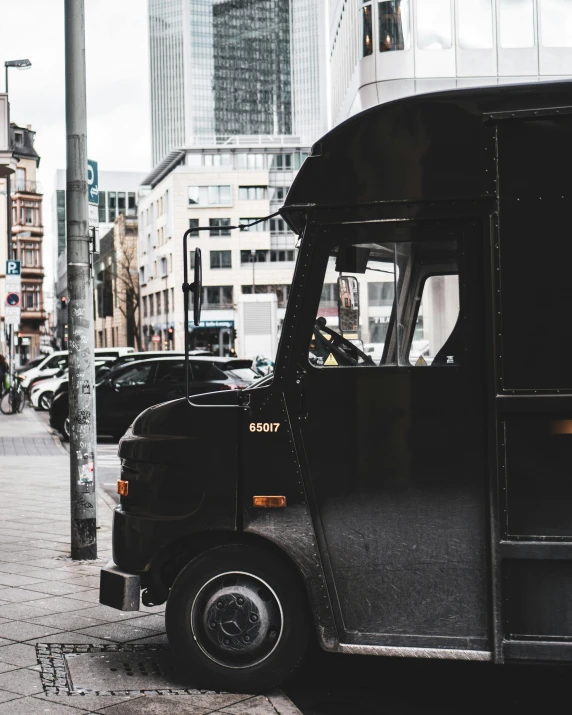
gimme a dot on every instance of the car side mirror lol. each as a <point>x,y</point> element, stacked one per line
<point>348,306</point>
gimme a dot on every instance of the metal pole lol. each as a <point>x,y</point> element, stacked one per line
<point>83,492</point>
<point>167,310</point>
<point>253,259</point>
<point>9,328</point>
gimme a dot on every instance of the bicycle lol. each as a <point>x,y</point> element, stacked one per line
<point>13,399</point>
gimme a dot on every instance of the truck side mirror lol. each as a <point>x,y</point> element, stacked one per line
<point>348,306</point>
<point>197,287</point>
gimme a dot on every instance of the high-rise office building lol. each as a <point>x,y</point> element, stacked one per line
<point>235,67</point>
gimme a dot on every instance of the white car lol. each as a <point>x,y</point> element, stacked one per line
<point>42,392</point>
<point>57,361</point>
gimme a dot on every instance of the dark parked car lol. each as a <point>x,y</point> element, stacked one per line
<point>123,393</point>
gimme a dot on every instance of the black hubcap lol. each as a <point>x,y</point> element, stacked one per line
<point>236,620</point>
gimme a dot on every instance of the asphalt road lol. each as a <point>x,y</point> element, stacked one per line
<point>332,684</point>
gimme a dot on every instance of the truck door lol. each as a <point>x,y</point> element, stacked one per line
<point>393,435</point>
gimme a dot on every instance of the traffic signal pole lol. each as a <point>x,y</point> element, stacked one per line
<point>80,309</point>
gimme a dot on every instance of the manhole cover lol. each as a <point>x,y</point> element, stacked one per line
<point>124,671</point>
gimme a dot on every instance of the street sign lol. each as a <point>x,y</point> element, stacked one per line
<point>13,268</point>
<point>92,182</point>
<point>156,339</point>
<point>12,315</point>
<point>13,299</point>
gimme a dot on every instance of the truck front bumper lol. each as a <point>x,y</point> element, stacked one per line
<point>119,589</point>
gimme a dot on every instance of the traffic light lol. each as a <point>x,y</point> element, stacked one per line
<point>234,333</point>
<point>170,334</point>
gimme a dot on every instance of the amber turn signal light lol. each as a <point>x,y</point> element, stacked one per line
<point>122,487</point>
<point>273,502</point>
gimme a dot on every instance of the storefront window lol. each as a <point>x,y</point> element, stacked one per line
<point>367,31</point>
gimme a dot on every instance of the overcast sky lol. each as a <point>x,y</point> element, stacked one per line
<point>118,129</point>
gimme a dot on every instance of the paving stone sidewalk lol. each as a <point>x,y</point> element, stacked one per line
<point>46,598</point>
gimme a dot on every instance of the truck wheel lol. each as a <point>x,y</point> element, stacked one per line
<point>238,619</point>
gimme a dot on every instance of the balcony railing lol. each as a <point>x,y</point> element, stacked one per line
<point>26,187</point>
<point>245,140</point>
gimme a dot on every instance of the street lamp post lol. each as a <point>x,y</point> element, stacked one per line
<point>20,64</point>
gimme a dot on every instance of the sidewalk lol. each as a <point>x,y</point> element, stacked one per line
<point>60,651</point>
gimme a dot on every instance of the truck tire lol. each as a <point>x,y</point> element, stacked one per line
<point>237,619</point>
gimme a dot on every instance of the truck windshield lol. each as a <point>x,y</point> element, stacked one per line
<point>408,306</point>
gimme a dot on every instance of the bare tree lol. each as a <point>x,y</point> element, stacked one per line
<point>127,278</point>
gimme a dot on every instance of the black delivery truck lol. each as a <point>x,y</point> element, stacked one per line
<point>402,484</point>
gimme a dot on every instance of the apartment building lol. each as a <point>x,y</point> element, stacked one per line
<point>236,180</point>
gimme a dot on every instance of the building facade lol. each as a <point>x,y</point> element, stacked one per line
<point>117,287</point>
<point>225,68</point>
<point>385,49</point>
<point>27,240</point>
<point>8,163</point>
<point>214,188</point>
<point>117,196</point>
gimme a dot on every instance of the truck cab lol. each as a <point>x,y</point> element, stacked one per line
<point>412,499</point>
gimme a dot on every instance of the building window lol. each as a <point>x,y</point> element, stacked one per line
<point>158,302</point>
<point>434,31</point>
<point>393,25</point>
<point>381,293</point>
<point>193,225</point>
<point>516,19</point>
<point>278,193</point>
<point>20,179</point>
<point>217,159</point>
<point>281,256</point>
<point>151,305</point>
<point>257,228</point>
<point>217,297</point>
<point>219,227</point>
<point>131,203</point>
<point>102,203</point>
<point>221,259</point>
<point>112,206</point>
<point>18,137</point>
<point>209,196</point>
<point>281,291</point>
<point>252,193</point>
<point>144,306</point>
<point>278,225</point>
<point>367,31</point>
<point>121,202</point>
<point>475,22</point>
<point>253,257</point>
<point>272,256</point>
<point>281,162</point>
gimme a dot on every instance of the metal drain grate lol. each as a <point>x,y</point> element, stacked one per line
<point>124,671</point>
<point>133,669</point>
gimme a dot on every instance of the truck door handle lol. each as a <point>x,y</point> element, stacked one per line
<point>303,405</point>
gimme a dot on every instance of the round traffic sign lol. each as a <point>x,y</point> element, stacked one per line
<point>13,299</point>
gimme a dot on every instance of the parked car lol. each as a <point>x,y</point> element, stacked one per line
<point>42,390</point>
<point>122,394</point>
<point>56,361</point>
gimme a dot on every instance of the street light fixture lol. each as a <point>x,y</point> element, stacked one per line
<point>18,64</point>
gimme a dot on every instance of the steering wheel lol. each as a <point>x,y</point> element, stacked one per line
<point>341,347</point>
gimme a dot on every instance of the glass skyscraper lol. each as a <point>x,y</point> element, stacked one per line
<point>219,68</point>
